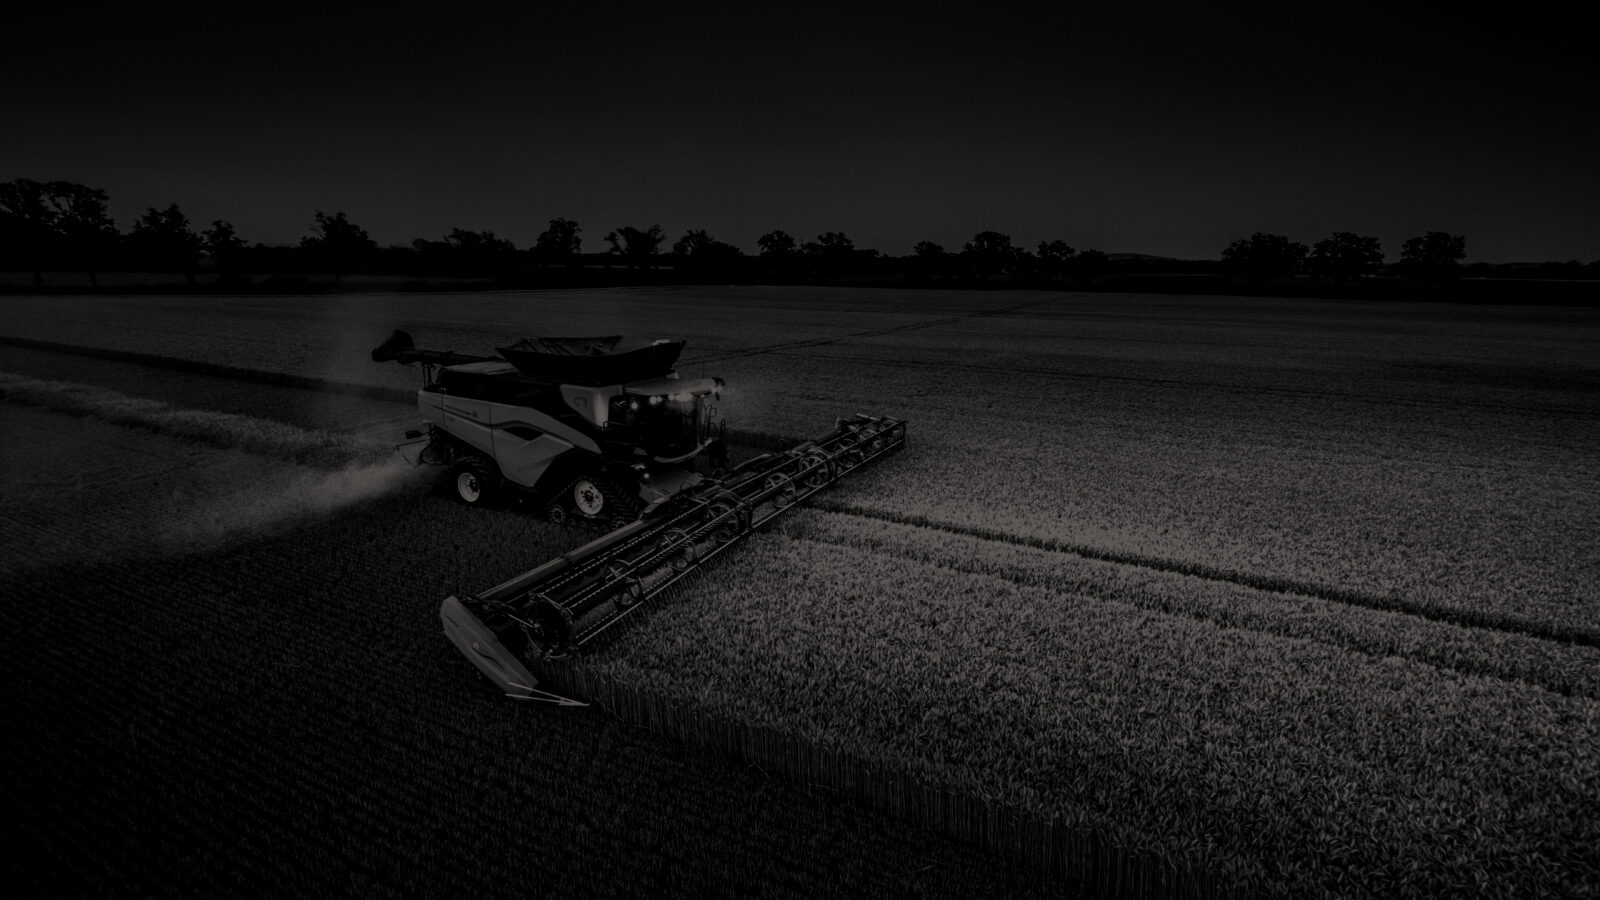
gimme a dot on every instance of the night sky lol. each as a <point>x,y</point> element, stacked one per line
<point>1142,129</point>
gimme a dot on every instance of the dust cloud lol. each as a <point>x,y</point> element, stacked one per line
<point>280,503</point>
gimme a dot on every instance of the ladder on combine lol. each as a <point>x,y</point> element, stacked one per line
<point>550,612</point>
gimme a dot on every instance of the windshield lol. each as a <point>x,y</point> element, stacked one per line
<point>662,425</point>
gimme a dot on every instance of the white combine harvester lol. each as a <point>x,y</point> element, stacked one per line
<point>615,439</point>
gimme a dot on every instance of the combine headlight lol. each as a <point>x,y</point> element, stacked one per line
<point>655,399</point>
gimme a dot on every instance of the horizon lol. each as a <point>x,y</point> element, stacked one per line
<point>1148,130</point>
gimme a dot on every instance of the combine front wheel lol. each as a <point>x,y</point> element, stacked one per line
<point>474,481</point>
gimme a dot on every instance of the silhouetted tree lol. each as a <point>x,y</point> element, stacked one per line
<point>162,241</point>
<point>27,225</point>
<point>431,258</point>
<point>701,254</point>
<point>1055,259</point>
<point>1090,264</point>
<point>692,240</point>
<point>932,261</point>
<point>481,242</point>
<point>780,253</point>
<point>990,255</point>
<point>480,252</point>
<point>831,243</point>
<point>777,245</point>
<point>224,245</point>
<point>559,243</point>
<point>831,254</point>
<point>337,244</point>
<point>1434,256</point>
<point>87,232</point>
<point>634,245</point>
<point>697,243</point>
<point>1345,255</point>
<point>1264,256</point>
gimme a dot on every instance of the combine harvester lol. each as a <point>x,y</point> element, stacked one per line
<point>610,438</point>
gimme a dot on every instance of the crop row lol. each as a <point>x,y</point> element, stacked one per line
<point>1456,518</point>
<point>1557,666</point>
<point>1277,762</point>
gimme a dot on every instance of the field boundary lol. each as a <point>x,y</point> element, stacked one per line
<point>1273,584</point>
<point>1080,858</point>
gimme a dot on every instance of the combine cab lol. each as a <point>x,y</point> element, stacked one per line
<point>614,438</point>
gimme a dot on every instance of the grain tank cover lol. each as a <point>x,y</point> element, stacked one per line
<point>592,360</point>
<point>671,387</point>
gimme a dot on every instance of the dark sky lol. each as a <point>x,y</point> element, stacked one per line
<point>1147,128</point>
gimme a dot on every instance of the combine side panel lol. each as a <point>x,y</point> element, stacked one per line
<point>470,421</point>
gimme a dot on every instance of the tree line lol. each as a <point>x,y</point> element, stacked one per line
<point>64,226</point>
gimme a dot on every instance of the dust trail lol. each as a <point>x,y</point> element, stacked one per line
<point>217,429</point>
<point>292,475</point>
<point>281,501</point>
